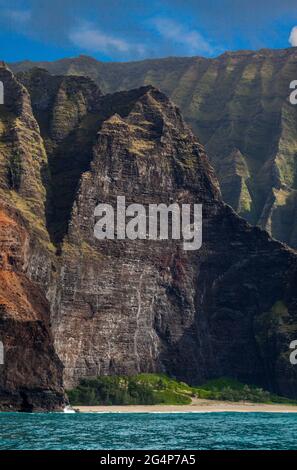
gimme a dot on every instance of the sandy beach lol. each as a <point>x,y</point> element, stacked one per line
<point>198,406</point>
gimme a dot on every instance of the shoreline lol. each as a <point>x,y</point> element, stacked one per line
<point>198,406</point>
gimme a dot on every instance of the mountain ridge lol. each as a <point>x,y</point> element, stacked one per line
<point>18,65</point>
<point>237,105</point>
<point>122,306</point>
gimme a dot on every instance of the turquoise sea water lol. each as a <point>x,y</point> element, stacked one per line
<point>148,431</point>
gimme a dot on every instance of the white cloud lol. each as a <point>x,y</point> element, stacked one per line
<point>91,39</point>
<point>18,16</point>
<point>190,39</point>
<point>293,37</point>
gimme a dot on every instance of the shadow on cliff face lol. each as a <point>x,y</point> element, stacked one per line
<point>197,358</point>
<point>70,112</point>
<point>245,311</point>
<point>225,344</point>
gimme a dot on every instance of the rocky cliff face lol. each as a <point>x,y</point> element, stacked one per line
<point>134,306</point>
<point>238,107</point>
<point>31,376</point>
<point>125,306</point>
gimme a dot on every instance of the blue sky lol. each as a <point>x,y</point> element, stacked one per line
<point>124,30</point>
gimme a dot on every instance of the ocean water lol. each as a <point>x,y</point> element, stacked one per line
<point>187,431</point>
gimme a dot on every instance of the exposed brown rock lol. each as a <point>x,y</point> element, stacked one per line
<point>228,309</point>
<point>238,100</point>
<point>31,377</point>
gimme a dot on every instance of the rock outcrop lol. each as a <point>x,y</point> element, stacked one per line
<point>31,373</point>
<point>237,104</point>
<point>131,306</point>
<point>31,376</point>
<point>127,306</point>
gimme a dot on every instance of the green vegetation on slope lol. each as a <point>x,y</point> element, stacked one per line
<point>153,389</point>
<point>232,390</point>
<point>141,389</point>
<point>236,104</point>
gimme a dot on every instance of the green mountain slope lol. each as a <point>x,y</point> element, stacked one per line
<point>124,307</point>
<point>153,389</point>
<point>238,106</point>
